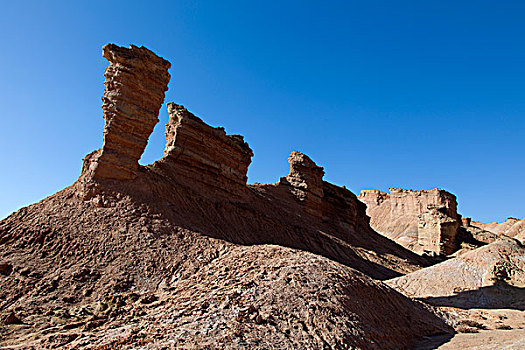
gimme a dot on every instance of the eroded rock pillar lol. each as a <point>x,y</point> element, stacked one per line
<point>306,180</point>
<point>135,83</point>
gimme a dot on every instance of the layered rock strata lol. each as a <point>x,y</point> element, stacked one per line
<point>184,246</point>
<point>214,163</point>
<point>200,183</point>
<point>136,80</point>
<point>423,221</point>
<point>306,182</point>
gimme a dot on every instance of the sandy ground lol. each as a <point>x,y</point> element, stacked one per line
<point>491,329</point>
<point>484,340</point>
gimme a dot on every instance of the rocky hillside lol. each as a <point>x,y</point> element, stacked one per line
<point>183,253</point>
<point>512,227</point>
<point>492,276</point>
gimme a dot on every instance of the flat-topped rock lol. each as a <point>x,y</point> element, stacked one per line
<point>425,221</point>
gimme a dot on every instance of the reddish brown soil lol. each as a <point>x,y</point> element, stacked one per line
<point>127,274</point>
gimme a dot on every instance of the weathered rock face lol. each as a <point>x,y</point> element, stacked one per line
<point>306,181</point>
<point>136,80</point>
<point>206,158</point>
<point>423,221</point>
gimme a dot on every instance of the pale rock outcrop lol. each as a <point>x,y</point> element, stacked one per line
<point>492,231</point>
<point>423,221</point>
<point>136,80</point>
<point>512,227</point>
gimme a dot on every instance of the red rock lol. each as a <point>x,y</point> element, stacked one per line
<point>205,158</point>
<point>136,80</point>
<point>306,181</point>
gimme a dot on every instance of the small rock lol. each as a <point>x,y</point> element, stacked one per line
<point>6,269</point>
<point>148,299</point>
<point>12,318</point>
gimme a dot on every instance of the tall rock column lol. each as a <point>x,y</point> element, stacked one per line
<point>136,80</point>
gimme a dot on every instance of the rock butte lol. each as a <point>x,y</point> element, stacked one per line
<point>423,221</point>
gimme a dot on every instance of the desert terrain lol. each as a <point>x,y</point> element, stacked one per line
<point>184,254</point>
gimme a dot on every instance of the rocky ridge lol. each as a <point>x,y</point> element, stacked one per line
<point>492,276</point>
<point>182,253</point>
<point>489,232</point>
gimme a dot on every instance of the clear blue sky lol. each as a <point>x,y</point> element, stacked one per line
<point>413,94</point>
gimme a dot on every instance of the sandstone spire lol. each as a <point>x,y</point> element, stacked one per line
<point>306,180</point>
<point>136,80</point>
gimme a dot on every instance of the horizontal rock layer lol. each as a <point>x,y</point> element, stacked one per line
<point>205,158</point>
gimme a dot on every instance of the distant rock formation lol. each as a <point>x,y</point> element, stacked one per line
<point>512,227</point>
<point>136,80</point>
<point>423,221</point>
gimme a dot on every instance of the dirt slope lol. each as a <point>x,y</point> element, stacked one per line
<point>492,276</point>
<point>122,275</point>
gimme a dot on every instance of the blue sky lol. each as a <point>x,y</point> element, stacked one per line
<point>413,94</point>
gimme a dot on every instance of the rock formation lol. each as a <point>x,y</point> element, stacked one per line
<point>492,276</point>
<point>486,233</point>
<point>181,252</point>
<point>215,164</point>
<point>423,221</point>
<point>306,181</point>
<point>136,80</point>
<point>512,227</point>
